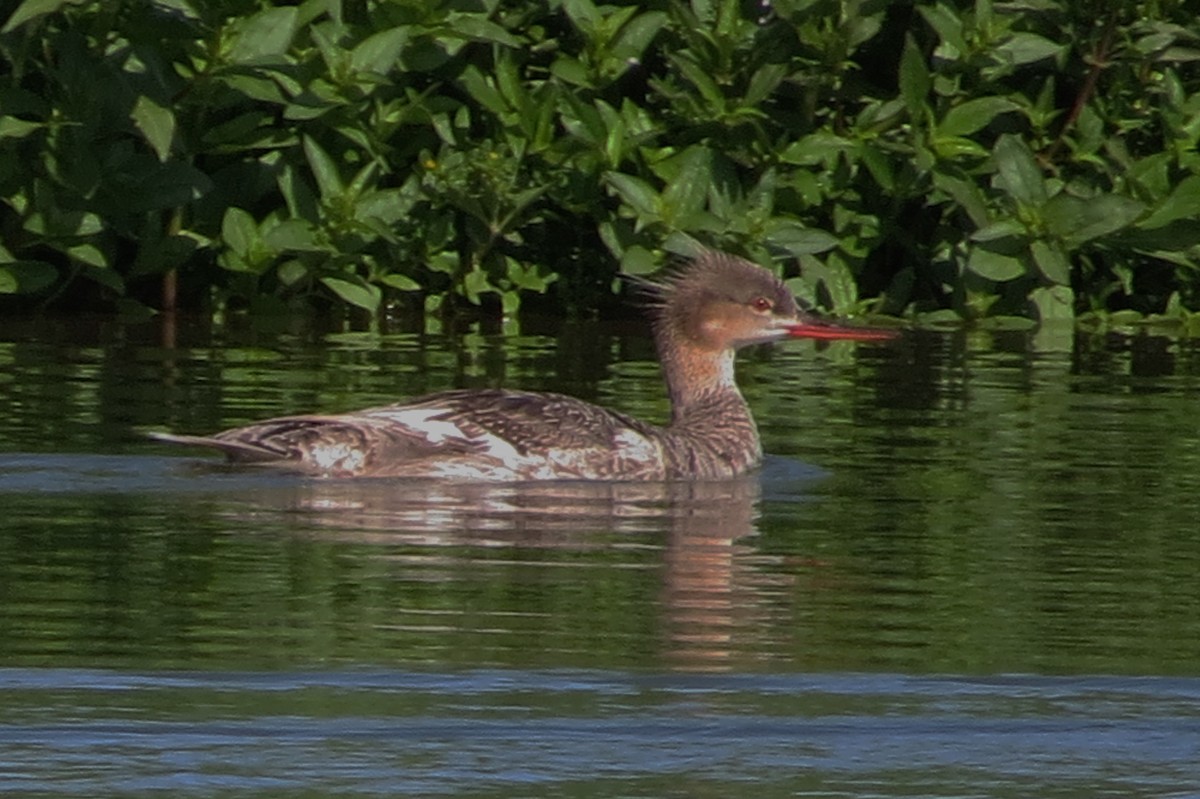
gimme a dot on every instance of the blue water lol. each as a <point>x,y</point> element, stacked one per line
<point>569,733</point>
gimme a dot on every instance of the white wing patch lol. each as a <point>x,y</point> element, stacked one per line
<point>338,458</point>
<point>421,420</point>
<point>636,447</point>
<point>436,431</point>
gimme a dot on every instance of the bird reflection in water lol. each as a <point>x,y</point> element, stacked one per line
<point>712,576</point>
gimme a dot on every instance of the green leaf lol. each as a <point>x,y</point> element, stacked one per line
<point>996,266</point>
<point>32,9</point>
<point>797,239</point>
<point>1054,303</point>
<point>529,277</point>
<point>968,117</point>
<point>703,82</point>
<point>483,92</point>
<point>570,71</point>
<point>914,77</point>
<point>1018,172</point>
<point>583,15</point>
<point>267,33</point>
<point>26,277</point>
<point>89,254</point>
<point>835,275</point>
<point>291,272</point>
<point>999,230</point>
<point>879,164</point>
<point>1051,262</point>
<point>292,235</point>
<point>13,128</point>
<point>964,192</point>
<point>1076,220</point>
<point>949,148</point>
<point>379,52</point>
<point>635,192</point>
<point>949,27</point>
<point>445,262</point>
<point>157,125</point>
<point>400,282</point>
<point>637,260</point>
<point>635,36</point>
<point>479,28</point>
<point>686,192</point>
<point>818,148</point>
<point>1026,48</point>
<point>239,230</point>
<point>356,292</point>
<point>1182,203</point>
<point>167,185</point>
<point>475,283</point>
<point>329,180</point>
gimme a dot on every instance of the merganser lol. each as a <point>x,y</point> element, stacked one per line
<point>702,313</point>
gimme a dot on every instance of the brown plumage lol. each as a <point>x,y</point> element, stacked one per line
<point>703,312</point>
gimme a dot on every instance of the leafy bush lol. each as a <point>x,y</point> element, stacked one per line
<point>944,159</point>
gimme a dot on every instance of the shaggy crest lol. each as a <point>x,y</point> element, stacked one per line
<point>710,276</point>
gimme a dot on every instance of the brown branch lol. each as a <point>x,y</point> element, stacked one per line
<point>1099,61</point>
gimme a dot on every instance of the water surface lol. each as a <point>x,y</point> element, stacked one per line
<point>968,568</point>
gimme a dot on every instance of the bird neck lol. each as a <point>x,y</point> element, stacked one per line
<point>696,377</point>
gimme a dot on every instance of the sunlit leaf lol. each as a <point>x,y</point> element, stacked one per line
<point>1000,229</point>
<point>475,283</point>
<point>357,293</point>
<point>583,15</point>
<point>637,260</point>
<point>636,192</point>
<point>797,239</point>
<point>993,265</point>
<point>968,117</point>
<point>267,33</point>
<point>1054,303</point>
<point>292,235</point>
<point>686,192</point>
<point>156,123</point>
<point>914,77</point>
<point>571,71</point>
<point>400,282</point>
<point>1026,48</point>
<point>379,52</point>
<point>635,36</point>
<point>949,27</point>
<point>480,28</point>
<point>1018,172</point>
<point>89,254</point>
<point>949,148</point>
<point>239,230</point>
<point>703,82</point>
<point>1182,203</point>
<point>1077,220</point>
<point>1051,262</point>
<point>483,91</point>
<point>329,180</point>
<point>13,128</point>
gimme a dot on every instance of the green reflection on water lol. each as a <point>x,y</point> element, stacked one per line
<point>990,509</point>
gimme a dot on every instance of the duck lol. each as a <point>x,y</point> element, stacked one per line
<point>702,313</point>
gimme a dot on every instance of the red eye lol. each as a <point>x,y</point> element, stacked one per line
<point>761,304</point>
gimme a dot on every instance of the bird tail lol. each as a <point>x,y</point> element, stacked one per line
<point>235,451</point>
